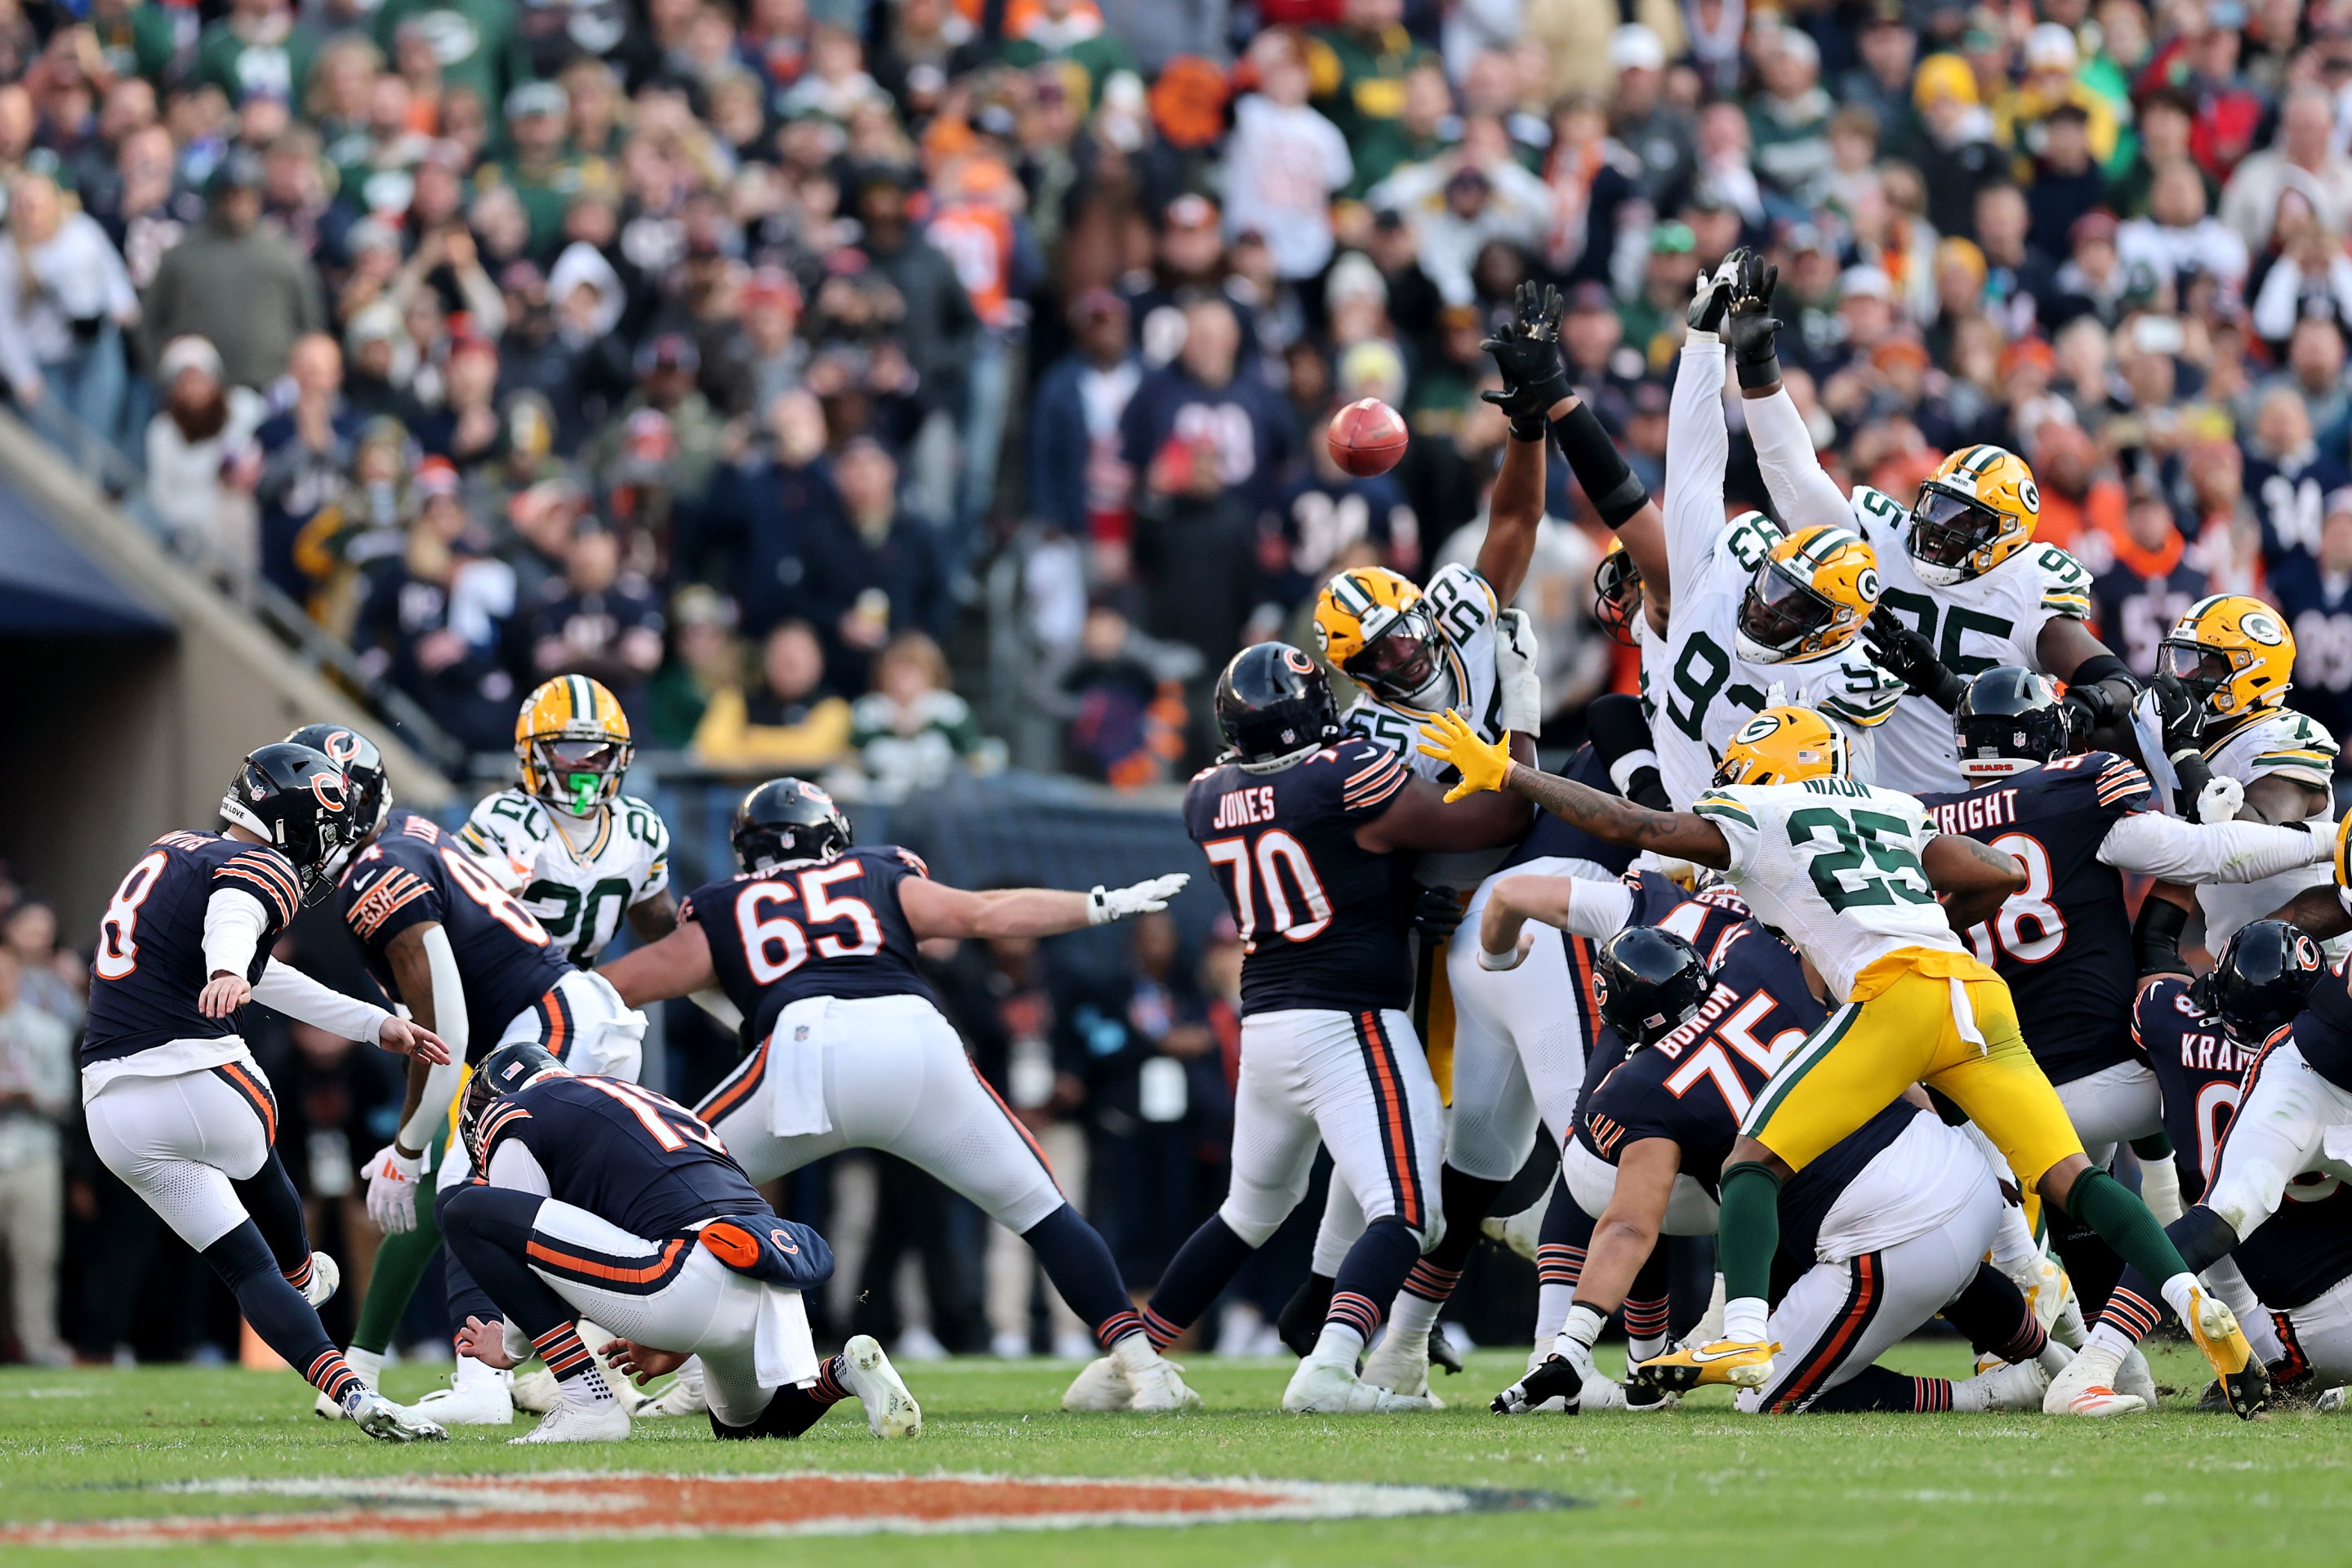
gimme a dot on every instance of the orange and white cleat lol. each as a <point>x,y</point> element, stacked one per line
<point>1743,1364</point>
<point>2086,1386</point>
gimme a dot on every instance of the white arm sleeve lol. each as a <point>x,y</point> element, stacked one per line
<point>1698,448</point>
<point>1802,494</point>
<point>233,925</point>
<point>450,1022</point>
<point>297,996</point>
<point>2177,851</point>
<point>513,1165</point>
<point>720,1011</point>
<point>1599,909</point>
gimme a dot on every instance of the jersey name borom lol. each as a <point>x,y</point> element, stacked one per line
<point>1710,692</point>
<point>1995,618</point>
<point>580,896</point>
<point>1835,866</point>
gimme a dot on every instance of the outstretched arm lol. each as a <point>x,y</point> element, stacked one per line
<point>937,910</point>
<point>1513,513</point>
<point>1485,766</point>
<point>2318,910</point>
<point>1801,492</point>
<point>1698,450</point>
<point>677,965</point>
<point>1627,1230</point>
<point>1975,877</point>
<point>1527,353</point>
<point>1578,904</point>
<point>1421,818</point>
<point>2158,846</point>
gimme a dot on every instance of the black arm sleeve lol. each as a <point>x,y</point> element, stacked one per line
<point>2156,937</point>
<point>1600,469</point>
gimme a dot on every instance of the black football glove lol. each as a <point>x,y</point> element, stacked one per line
<point>2178,713</point>
<point>1527,353</point>
<point>1436,912</point>
<point>1712,302</point>
<point>1911,659</point>
<point>2089,706</point>
<point>1753,332</point>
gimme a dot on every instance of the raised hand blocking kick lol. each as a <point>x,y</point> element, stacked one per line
<point>1483,764</point>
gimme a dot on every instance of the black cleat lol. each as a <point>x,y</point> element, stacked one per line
<point>1442,1351</point>
<point>1555,1378</point>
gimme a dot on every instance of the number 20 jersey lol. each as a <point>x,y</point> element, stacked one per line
<point>1833,866</point>
<point>800,931</point>
<point>415,872</point>
<point>1323,920</point>
<point>578,894</point>
<point>2064,944</point>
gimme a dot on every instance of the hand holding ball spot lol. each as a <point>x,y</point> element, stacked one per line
<point>1366,437</point>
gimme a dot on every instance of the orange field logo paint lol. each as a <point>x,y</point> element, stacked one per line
<point>588,1505</point>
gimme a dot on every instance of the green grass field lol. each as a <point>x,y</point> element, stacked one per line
<point>1699,1485</point>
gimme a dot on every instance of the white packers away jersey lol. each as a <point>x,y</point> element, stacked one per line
<point>1993,620</point>
<point>1833,866</point>
<point>1463,607</point>
<point>2290,745</point>
<point>1705,691</point>
<point>578,894</point>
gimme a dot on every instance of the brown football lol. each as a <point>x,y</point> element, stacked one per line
<point>1366,437</point>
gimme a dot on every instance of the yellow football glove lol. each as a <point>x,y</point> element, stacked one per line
<point>1484,764</point>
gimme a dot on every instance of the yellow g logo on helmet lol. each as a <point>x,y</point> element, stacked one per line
<point>1808,597</point>
<point>1374,626</point>
<point>2233,653</point>
<point>572,742</point>
<point>1782,745</point>
<point>1973,513</point>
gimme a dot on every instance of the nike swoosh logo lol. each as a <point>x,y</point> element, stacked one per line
<point>1704,1357</point>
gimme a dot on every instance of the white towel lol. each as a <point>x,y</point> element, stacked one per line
<point>782,1352</point>
<point>1965,1016</point>
<point>797,1069</point>
<point>2149,726</point>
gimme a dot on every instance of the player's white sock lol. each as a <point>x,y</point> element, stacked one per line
<point>2178,1295</point>
<point>1414,1316</point>
<point>1746,1318</point>
<point>2014,1251</point>
<point>1644,1349</point>
<point>2108,1340</point>
<point>2054,1356</point>
<point>1339,1345</point>
<point>2160,1189</point>
<point>1552,1311</point>
<point>367,1365</point>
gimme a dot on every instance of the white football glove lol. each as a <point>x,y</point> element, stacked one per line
<point>1518,682</point>
<point>2220,799</point>
<point>392,1189</point>
<point>1142,899</point>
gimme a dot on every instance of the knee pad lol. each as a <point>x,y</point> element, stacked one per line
<point>1254,1214</point>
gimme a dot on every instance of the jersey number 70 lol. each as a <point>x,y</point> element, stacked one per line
<point>1276,852</point>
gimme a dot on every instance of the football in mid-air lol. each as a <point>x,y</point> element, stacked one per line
<point>1366,437</point>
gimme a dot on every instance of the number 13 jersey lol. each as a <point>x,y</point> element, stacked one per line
<point>1833,866</point>
<point>578,895</point>
<point>800,931</point>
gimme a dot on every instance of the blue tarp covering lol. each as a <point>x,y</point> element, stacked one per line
<point>49,588</point>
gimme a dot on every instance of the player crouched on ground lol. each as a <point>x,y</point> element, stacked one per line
<point>604,1199</point>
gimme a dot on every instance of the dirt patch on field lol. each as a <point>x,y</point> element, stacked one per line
<point>574,1505</point>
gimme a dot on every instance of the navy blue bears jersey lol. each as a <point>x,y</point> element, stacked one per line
<point>149,964</point>
<point>2322,1030</point>
<point>1695,1085</point>
<point>834,930</point>
<point>2307,1246</point>
<point>2064,944</point>
<point>1707,921</point>
<point>415,872</point>
<point>1324,922</point>
<point>1551,837</point>
<point>622,1152</point>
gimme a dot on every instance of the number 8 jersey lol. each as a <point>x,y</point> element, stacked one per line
<point>830,929</point>
<point>1833,866</point>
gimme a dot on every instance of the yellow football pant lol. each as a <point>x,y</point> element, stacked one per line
<point>1869,1051</point>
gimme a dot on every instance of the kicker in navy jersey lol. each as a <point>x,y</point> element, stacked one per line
<point>149,966</point>
<point>793,932</point>
<point>415,872</point>
<point>2064,944</point>
<point>2306,1245</point>
<point>1323,920</point>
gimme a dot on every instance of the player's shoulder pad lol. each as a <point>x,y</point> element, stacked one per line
<point>2290,736</point>
<point>907,859</point>
<point>2065,586</point>
<point>264,871</point>
<point>1723,804</point>
<point>1368,773</point>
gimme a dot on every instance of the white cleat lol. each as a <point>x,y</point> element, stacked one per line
<point>2333,1402</point>
<point>684,1396</point>
<point>2049,1293</point>
<point>536,1392</point>
<point>326,1278</point>
<point>2133,1377</point>
<point>1327,1388</point>
<point>2087,1388</point>
<point>603,1422</point>
<point>2018,1386</point>
<point>1400,1362</point>
<point>890,1411</point>
<point>1101,1385</point>
<point>1521,1232</point>
<point>479,1402</point>
<point>1160,1389</point>
<point>386,1422</point>
<point>367,1366</point>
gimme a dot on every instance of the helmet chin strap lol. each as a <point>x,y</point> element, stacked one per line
<point>1436,692</point>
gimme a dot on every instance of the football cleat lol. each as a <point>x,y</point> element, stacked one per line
<point>1100,1385</point>
<point>1556,1379</point>
<point>1160,1389</point>
<point>325,1277</point>
<point>386,1422</point>
<point>479,1402</point>
<point>1443,1352</point>
<point>367,1366</point>
<point>1400,1362</point>
<point>1633,1398</point>
<point>2084,1387</point>
<point>2215,1328</point>
<point>2018,1386</point>
<point>603,1422</point>
<point>2049,1293</point>
<point>1327,1388</point>
<point>890,1411</point>
<point>1743,1364</point>
<point>2334,1402</point>
<point>1521,1232</point>
<point>684,1396</point>
<point>2133,1378</point>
